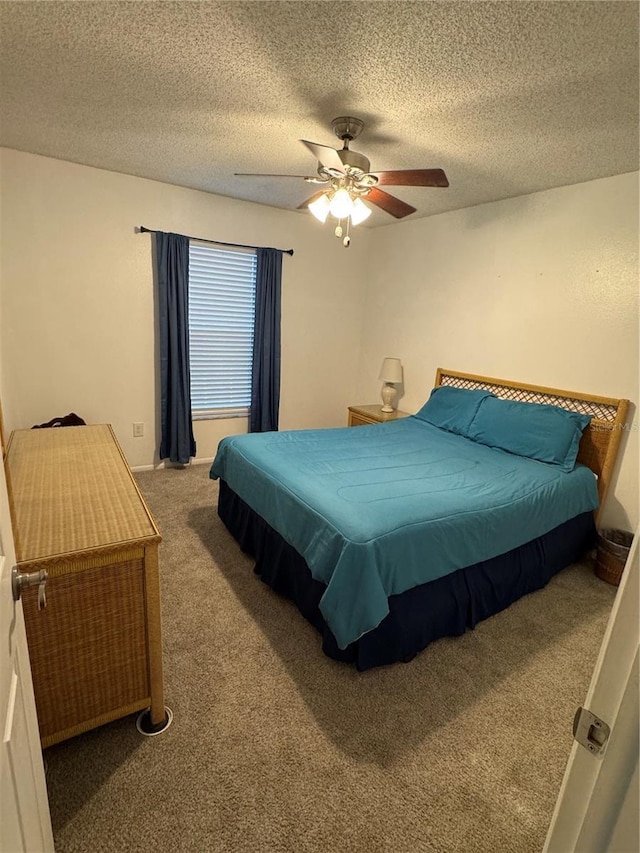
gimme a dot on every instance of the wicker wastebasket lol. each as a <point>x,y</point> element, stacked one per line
<point>612,553</point>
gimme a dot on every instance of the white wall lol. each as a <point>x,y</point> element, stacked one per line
<point>77,296</point>
<point>542,288</point>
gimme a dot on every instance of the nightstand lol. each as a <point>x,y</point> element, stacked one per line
<point>364,415</point>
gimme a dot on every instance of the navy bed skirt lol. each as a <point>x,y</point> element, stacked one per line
<point>442,608</point>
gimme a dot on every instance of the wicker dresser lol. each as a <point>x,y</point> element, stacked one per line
<point>96,649</point>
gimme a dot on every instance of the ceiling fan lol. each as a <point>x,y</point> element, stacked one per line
<point>346,180</point>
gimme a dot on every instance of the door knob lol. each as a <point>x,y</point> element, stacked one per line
<point>21,580</point>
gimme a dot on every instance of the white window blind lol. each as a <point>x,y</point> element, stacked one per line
<point>222,298</point>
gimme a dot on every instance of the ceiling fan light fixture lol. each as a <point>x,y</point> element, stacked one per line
<point>320,208</point>
<point>360,212</point>
<point>347,176</point>
<point>341,204</point>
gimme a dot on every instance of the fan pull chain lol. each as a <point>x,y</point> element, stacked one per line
<point>339,232</point>
<point>347,240</point>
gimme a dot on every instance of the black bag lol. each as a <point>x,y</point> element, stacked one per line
<point>68,420</point>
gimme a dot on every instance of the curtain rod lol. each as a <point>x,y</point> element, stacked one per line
<point>143,230</point>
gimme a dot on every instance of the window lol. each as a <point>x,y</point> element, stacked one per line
<point>222,298</point>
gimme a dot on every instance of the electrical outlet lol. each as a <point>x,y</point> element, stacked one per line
<point>138,430</point>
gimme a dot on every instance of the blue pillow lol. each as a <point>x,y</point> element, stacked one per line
<point>452,409</point>
<point>546,433</point>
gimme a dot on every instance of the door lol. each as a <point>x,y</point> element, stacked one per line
<point>25,824</point>
<point>597,809</point>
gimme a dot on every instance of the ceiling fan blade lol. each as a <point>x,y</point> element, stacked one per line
<point>412,178</point>
<point>311,199</point>
<point>325,155</point>
<point>389,203</point>
<point>260,175</point>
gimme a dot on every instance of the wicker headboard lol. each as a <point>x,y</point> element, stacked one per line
<point>600,442</point>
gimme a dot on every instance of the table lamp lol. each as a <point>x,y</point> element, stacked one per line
<point>391,375</point>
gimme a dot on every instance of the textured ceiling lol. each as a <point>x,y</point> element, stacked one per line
<point>507,97</point>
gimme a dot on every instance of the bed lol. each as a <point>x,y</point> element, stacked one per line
<point>390,536</point>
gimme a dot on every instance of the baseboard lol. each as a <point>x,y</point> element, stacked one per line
<point>164,464</point>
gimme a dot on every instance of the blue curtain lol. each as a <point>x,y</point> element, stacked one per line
<point>172,269</point>
<point>265,378</point>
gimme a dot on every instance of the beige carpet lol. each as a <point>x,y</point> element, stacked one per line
<point>277,749</point>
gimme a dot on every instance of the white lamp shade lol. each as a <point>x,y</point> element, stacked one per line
<point>320,208</point>
<point>391,370</point>
<point>360,212</point>
<point>341,204</point>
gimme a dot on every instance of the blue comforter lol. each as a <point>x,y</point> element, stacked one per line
<point>380,509</point>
